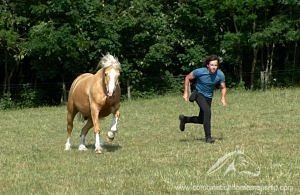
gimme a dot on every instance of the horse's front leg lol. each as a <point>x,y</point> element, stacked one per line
<point>95,115</point>
<point>113,130</point>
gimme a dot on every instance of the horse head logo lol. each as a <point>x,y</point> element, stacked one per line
<point>236,162</point>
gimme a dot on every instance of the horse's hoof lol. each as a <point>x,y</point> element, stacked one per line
<point>98,151</point>
<point>67,147</point>
<point>82,148</point>
<point>109,139</point>
<point>110,136</point>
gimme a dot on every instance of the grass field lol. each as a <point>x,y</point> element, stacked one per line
<point>150,155</point>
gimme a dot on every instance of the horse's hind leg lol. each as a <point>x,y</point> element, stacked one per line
<point>113,129</point>
<point>84,131</point>
<point>70,118</point>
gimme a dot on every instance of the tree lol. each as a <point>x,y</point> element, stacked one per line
<point>54,41</point>
<point>12,51</point>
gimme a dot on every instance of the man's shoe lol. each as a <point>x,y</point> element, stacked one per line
<point>209,140</point>
<point>182,122</point>
<point>193,96</point>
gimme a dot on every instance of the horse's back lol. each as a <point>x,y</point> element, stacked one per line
<point>80,79</point>
<point>79,93</point>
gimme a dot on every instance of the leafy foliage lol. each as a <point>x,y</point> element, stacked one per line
<point>54,41</point>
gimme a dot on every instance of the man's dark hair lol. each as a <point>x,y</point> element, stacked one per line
<point>211,58</point>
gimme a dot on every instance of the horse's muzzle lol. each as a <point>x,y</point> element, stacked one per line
<point>109,94</point>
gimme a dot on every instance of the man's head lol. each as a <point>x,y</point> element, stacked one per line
<point>212,63</point>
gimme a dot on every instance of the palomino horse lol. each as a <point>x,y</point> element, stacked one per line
<point>95,96</point>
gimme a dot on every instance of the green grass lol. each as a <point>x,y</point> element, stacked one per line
<point>150,155</point>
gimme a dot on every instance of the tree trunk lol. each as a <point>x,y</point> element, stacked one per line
<point>269,65</point>
<point>5,73</point>
<point>9,73</point>
<point>262,80</point>
<point>295,54</point>
<point>294,61</point>
<point>63,98</point>
<point>240,61</point>
<point>253,65</point>
<point>240,71</point>
<point>128,89</point>
<point>254,61</point>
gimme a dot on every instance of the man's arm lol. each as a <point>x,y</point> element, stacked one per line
<point>223,93</point>
<point>187,79</point>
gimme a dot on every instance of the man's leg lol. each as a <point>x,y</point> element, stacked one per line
<point>205,116</point>
<point>190,119</point>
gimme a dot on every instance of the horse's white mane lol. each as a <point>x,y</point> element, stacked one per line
<point>109,60</point>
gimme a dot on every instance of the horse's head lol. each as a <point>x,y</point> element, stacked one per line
<point>112,70</point>
<point>244,165</point>
<point>111,80</point>
<point>236,162</point>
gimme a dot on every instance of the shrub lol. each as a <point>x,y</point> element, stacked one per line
<point>6,102</point>
<point>28,96</point>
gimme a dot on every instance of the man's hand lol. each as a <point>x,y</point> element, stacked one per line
<point>223,101</point>
<point>185,96</point>
<point>223,93</point>
<point>186,85</point>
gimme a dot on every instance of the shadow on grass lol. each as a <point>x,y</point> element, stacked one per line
<point>106,146</point>
<point>111,147</point>
<point>196,139</point>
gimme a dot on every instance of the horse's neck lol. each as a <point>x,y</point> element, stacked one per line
<point>100,73</point>
<point>99,76</point>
